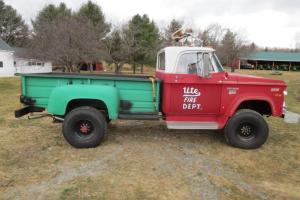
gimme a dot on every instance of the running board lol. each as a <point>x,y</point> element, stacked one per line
<point>139,116</point>
<point>192,125</point>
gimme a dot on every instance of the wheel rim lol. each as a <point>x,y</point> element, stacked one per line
<point>246,131</point>
<point>84,128</point>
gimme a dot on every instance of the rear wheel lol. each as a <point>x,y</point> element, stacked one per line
<point>84,127</point>
<point>247,129</point>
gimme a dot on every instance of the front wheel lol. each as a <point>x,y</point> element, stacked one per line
<point>84,127</point>
<point>247,129</point>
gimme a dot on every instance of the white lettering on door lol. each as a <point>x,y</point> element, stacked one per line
<point>190,95</point>
<point>191,92</point>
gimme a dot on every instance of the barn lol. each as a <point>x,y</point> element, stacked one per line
<point>15,60</point>
<point>266,60</point>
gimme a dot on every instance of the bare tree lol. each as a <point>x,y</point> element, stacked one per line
<point>212,35</point>
<point>67,43</point>
<point>228,44</point>
<point>297,42</point>
<point>232,46</point>
<point>68,38</point>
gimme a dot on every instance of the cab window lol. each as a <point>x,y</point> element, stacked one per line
<point>161,61</point>
<point>192,63</point>
<point>187,64</point>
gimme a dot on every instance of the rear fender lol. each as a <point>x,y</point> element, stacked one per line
<point>61,96</point>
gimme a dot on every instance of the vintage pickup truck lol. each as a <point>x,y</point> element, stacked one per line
<point>190,90</point>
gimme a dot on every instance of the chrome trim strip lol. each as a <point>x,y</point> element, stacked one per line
<point>192,125</point>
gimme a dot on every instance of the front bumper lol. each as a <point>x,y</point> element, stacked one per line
<point>284,106</point>
<point>291,118</point>
<point>284,110</point>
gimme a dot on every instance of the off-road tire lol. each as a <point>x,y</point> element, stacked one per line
<point>247,129</point>
<point>84,115</point>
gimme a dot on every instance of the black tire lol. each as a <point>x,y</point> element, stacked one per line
<point>247,129</point>
<point>84,127</point>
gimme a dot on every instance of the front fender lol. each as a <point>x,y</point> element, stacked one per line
<point>61,96</point>
<point>239,99</point>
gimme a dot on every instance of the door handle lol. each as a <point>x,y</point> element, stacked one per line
<point>178,78</point>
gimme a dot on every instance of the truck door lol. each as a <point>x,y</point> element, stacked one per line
<point>193,95</point>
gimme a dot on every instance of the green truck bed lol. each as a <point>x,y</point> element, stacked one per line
<point>120,94</point>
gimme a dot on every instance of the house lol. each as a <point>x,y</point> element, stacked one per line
<point>6,59</point>
<point>15,60</point>
<point>26,65</point>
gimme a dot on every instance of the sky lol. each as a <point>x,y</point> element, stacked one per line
<point>272,23</point>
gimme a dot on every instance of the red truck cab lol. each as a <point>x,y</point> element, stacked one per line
<point>198,94</point>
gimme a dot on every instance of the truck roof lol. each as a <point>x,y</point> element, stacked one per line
<point>172,53</point>
<point>186,48</point>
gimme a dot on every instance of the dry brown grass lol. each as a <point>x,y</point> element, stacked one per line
<point>144,160</point>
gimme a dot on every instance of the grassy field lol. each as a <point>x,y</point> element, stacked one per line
<point>145,160</point>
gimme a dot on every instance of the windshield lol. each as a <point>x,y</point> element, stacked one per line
<point>216,63</point>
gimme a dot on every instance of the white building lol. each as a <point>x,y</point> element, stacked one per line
<point>6,60</point>
<point>14,60</point>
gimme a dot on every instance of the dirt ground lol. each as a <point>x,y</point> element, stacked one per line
<point>145,160</point>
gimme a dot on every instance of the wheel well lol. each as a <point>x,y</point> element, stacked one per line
<point>260,106</point>
<point>98,104</point>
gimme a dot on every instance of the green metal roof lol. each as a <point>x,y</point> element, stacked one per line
<point>4,46</point>
<point>273,56</point>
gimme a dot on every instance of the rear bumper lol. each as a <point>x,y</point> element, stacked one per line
<point>27,109</point>
<point>27,100</point>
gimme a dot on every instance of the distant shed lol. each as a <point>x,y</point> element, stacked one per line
<point>14,60</point>
<point>263,60</point>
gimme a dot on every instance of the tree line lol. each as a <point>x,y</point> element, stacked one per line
<point>70,38</point>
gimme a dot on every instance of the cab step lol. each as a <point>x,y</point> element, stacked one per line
<point>139,116</point>
<point>192,125</point>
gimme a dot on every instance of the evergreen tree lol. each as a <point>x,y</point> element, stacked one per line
<point>51,14</point>
<point>13,29</point>
<point>143,38</point>
<point>94,15</point>
<point>172,27</point>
